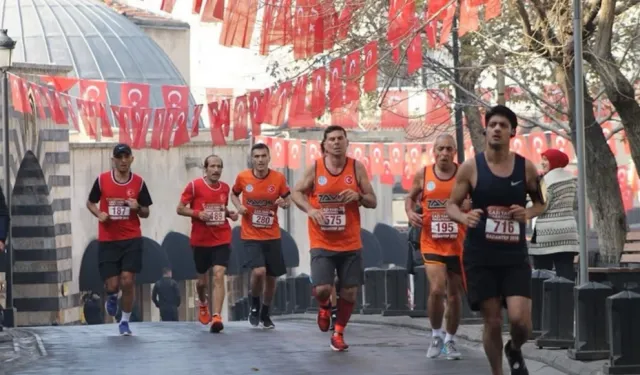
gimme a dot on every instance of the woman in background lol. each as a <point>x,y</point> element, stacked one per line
<point>555,234</point>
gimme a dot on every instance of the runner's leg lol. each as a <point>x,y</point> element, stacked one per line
<point>275,267</point>
<point>323,270</point>
<point>437,276</point>
<point>516,287</point>
<point>351,277</point>
<point>131,265</point>
<point>258,274</point>
<point>109,265</point>
<point>202,258</point>
<point>454,307</point>
<point>220,262</point>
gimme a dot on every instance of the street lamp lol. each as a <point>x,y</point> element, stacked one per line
<point>6,48</point>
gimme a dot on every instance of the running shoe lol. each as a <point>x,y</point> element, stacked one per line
<point>515,359</point>
<point>324,319</point>
<point>435,348</point>
<point>204,317</point>
<point>254,317</point>
<point>111,305</point>
<point>450,351</point>
<point>337,343</point>
<point>124,329</point>
<point>216,324</point>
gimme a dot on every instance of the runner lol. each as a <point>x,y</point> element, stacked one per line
<point>330,193</point>
<point>440,244</point>
<point>263,191</point>
<point>496,262</point>
<point>207,198</point>
<point>119,198</point>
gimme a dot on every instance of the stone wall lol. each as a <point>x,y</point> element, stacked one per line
<point>41,214</point>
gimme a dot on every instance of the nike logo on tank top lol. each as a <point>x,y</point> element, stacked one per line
<point>498,239</point>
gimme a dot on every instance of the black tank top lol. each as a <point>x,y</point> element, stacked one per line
<point>497,239</point>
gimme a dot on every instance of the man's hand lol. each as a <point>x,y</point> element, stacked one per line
<point>349,196</point>
<point>242,210</point>
<point>204,216</point>
<point>103,217</point>
<point>233,215</point>
<point>316,216</point>
<point>281,202</point>
<point>472,218</point>
<point>519,213</point>
<point>133,204</point>
<point>415,219</point>
<point>466,205</point>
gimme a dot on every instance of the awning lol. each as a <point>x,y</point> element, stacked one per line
<point>290,250</point>
<point>394,247</point>
<point>176,246</point>
<point>154,259</point>
<point>371,250</point>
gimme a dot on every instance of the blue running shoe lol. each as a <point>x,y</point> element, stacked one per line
<point>111,305</point>
<point>124,329</point>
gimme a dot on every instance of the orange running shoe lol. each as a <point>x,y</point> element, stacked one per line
<point>216,324</point>
<point>324,319</point>
<point>337,343</point>
<point>204,317</point>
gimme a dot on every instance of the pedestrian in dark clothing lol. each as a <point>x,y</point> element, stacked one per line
<point>166,297</point>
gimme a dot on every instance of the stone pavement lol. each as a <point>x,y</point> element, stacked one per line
<point>17,347</point>
<point>294,347</point>
<point>472,334</point>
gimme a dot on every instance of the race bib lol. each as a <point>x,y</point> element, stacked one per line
<point>217,214</point>
<point>442,227</point>
<point>335,218</point>
<point>263,218</point>
<point>118,209</point>
<point>500,226</point>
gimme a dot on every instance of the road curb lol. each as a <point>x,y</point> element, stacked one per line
<point>555,359</point>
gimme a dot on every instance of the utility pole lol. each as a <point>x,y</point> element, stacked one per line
<point>455,51</point>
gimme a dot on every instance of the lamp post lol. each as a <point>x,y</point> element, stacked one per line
<point>6,48</point>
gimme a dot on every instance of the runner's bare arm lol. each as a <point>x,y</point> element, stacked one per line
<point>185,199</point>
<point>461,190</point>
<point>411,200</point>
<point>368,197</point>
<point>534,190</point>
<point>302,188</point>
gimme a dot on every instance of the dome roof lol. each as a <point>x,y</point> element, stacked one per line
<point>95,40</point>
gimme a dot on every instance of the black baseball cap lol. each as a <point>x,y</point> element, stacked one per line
<point>120,149</point>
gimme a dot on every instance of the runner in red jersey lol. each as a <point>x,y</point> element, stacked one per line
<point>207,198</point>
<point>119,198</point>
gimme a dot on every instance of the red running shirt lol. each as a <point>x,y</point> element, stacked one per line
<point>123,223</point>
<point>201,196</point>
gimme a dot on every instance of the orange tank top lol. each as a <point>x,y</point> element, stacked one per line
<point>341,228</point>
<point>440,234</point>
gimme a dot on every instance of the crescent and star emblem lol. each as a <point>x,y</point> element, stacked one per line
<point>90,89</point>
<point>171,94</point>
<point>137,93</point>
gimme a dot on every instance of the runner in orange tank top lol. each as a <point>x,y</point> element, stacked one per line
<point>263,190</point>
<point>441,242</point>
<point>331,193</point>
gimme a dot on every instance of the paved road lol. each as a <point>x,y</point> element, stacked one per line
<point>293,348</point>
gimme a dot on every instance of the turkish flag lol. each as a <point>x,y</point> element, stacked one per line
<point>414,157</point>
<point>312,152</point>
<point>196,7</point>
<point>294,154</point>
<point>255,98</point>
<point>346,116</point>
<point>563,144</point>
<point>279,153</point>
<point>134,95</point>
<point>358,150</point>
<point>179,117</point>
<point>240,129</point>
<point>53,102</point>
<point>19,94</point>
<point>215,128</point>
<point>352,89</point>
<point>298,105</point>
<point>301,29</point>
<point>414,54</point>
<point>429,156</point>
<point>318,79</point>
<point>195,120</point>
<point>519,146</point>
<point>370,67</point>
<point>105,125</point>
<point>262,139</point>
<point>213,11</point>
<point>607,130</point>
<point>447,24</point>
<point>278,104</point>
<point>140,118</point>
<point>366,161</point>
<point>492,9</point>
<point>93,90</point>
<point>395,109</point>
<point>276,25</point>
<point>438,111</point>
<point>396,158</point>
<point>387,178</point>
<point>376,156</point>
<point>224,116</point>
<point>469,20</point>
<point>336,92</point>
<point>158,127</point>
<point>88,117</point>
<point>59,83</point>
<point>329,23</point>
<point>175,96</point>
<point>537,145</point>
<point>167,5</point>
<point>122,115</point>
<point>407,177</point>
<point>238,23</point>
<point>34,90</point>
<point>70,110</point>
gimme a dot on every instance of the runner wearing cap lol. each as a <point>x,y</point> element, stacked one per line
<point>119,198</point>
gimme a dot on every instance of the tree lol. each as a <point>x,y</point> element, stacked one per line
<point>544,55</point>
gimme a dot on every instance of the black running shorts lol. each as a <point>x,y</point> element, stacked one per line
<point>207,257</point>
<point>348,266</point>
<point>115,257</point>
<point>268,254</point>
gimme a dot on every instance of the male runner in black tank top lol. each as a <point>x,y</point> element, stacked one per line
<point>495,256</point>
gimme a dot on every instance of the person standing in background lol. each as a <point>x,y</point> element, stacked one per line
<point>555,232</point>
<point>166,297</point>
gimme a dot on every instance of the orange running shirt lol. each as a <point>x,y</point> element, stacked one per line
<point>341,229</point>
<point>440,235</point>
<point>259,196</point>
